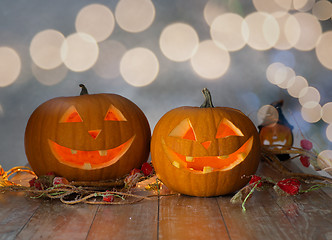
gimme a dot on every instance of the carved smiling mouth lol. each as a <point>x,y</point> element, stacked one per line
<point>208,164</point>
<point>89,160</point>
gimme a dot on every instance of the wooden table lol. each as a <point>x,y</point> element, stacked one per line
<point>268,216</point>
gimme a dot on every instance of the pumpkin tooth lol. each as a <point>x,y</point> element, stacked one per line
<point>73,151</point>
<point>87,166</point>
<point>223,156</point>
<point>189,159</point>
<point>102,152</point>
<point>176,164</point>
<point>207,169</point>
<point>242,155</point>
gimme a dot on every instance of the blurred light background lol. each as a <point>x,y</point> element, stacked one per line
<point>161,53</point>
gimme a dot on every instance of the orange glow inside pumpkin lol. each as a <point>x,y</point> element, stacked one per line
<point>114,114</point>
<point>89,160</point>
<point>71,115</point>
<point>94,133</point>
<point>276,134</point>
<point>206,164</point>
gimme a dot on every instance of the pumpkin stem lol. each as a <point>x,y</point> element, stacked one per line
<point>84,90</point>
<point>208,99</point>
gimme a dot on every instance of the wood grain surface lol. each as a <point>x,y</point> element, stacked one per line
<point>268,216</point>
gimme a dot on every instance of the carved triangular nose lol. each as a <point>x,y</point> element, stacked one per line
<point>94,133</point>
<point>206,144</point>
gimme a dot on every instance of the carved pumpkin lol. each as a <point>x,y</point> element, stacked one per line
<point>205,151</point>
<point>89,137</point>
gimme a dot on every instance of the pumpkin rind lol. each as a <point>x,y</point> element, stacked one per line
<point>93,133</point>
<point>205,122</point>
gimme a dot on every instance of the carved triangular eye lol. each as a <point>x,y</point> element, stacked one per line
<point>184,130</point>
<point>71,115</point>
<point>114,114</point>
<point>226,129</point>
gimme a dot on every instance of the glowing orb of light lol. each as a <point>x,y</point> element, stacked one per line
<point>134,15</point>
<point>261,30</point>
<point>96,20</point>
<point>45,49</point>
<point>309,97</point>
<point>139,67</point>
<point>226,29</point>
<point>267,114</point>
<point>272,5</point>
<point>327,113</point>
<point>329,132</point>
<point>310,31</point>
<point>312,114</point>
<point>79,52</point>
<point>10,66</point>
<point>324,160</point>
<point>303,5</point>
<point>322,10</point>
<point>272,72</point>
<point>210,61</point>
<point>324,49</point>
<point>295,86</point>
<point>212,9</point>
<point>178,42</point>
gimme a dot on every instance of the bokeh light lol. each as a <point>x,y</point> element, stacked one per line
<point>283,76</point>
<point>324,49</point>
<point>272,6</point>
<point>10,66</point>
<point>45,49</point>
<point>312,114</point>
<point>210,61</point>
<point>274,72</point>
<point>135,15</point>
<point>79,52</point>
<point>49,77</point>
<point>324,160</point>
<point>267,114</point>
<point>303,5</point>
<point>295,86</point>
<point>310,31</point>
<point>289,30</point>
<point>178,42</point>
<point>263,30</point>
<point>139,67</point>
<point>96,20</point>
<point>108,62</point>
<point>226,29</point>
<point>327,113</point>
<point>322,10</point>
<point>309,97</point>
<point>212,9</point>
<point>329,132</point>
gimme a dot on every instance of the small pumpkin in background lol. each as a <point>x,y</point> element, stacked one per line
<point>205,151</point>
<point>90,137</point>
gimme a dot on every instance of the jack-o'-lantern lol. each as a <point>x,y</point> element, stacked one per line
<point>89,137</point>
<point>276,131</point>
<point>206,151</point>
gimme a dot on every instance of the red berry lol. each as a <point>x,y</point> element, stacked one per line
<point>32,182</point>
<point>146,169</point>
<point>290,185</point>
<point>306,144</point>
<point>305,161</point>
<point>254,179</point>
<point>108,197</point>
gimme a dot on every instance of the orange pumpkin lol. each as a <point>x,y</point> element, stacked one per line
<point>205,151</point>
<point>88,137</point>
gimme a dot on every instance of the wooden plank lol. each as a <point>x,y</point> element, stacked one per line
<point>184,217</point>
<point>263,219</point>
<point>133,221</point>
<point>55,220</point>
<point>15,211</point>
